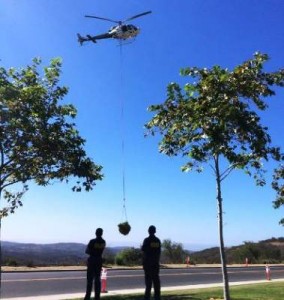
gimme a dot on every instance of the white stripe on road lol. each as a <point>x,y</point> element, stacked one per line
<point>42,279</point>
<point>84,277</point>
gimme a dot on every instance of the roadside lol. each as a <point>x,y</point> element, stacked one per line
<point>140,291</point>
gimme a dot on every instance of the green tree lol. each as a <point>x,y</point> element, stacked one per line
<point>278,185</point>
<point>109,257</point>
<point>213,120</point>
<point>38,139</point>
<point>172,253</point>
<point>129,257</point>
<point>261,252</point>
<point>11,262</point>
<point>250,251</point>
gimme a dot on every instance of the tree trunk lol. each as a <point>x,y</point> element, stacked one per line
<point>0,258</point>
<point>0,252</point>
<point>221,237</point>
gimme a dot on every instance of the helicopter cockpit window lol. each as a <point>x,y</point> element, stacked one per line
<point>124,28</point>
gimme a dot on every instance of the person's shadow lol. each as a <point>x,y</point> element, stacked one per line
<point>188,297</point>
<point>181,297</point>
<point>173,297</point>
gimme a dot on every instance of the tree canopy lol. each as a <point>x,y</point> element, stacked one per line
<point>278,185</point>
<point>215,115</point>
<point>38,137</point>
<point>172,252</point>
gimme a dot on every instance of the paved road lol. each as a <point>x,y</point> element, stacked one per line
<point>54,283</point>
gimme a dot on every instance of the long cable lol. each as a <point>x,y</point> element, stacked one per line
<point>122,121</point>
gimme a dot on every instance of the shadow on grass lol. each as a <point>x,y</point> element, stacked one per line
<point>181,298</point>
<point>163,297</point>
<point>179,295</point>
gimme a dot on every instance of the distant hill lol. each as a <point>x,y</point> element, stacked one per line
<point>267,251</point>
<point>48,254</point>
<point>13,254</point>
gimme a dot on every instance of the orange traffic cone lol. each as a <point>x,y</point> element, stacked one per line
<point>267,272</point>
<point>104,280</point>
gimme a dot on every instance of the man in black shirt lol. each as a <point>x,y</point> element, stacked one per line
<point>95,250</point>
<point>151,264</point>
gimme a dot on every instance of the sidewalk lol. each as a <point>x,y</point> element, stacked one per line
<point>137,291</point>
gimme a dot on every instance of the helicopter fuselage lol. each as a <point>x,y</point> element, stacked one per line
<point>124,31</point>
<point>120,32</point>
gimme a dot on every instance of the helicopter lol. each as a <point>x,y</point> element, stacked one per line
<point>121,31</point>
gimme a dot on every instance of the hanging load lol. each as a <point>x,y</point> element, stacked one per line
<point>124,228</point>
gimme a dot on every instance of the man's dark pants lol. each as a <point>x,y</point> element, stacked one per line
<point>152,276</point>
<point>93,276</point>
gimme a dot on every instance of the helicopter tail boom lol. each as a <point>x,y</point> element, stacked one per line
<point>82,39</point>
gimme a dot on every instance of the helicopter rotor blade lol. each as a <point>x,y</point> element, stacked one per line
<point>105,19</point>
<point>139,15</point>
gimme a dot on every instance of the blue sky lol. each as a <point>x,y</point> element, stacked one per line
<point>100,76</point>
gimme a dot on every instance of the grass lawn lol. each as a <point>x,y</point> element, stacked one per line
<point>261,291</point>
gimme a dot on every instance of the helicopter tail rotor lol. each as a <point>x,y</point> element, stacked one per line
<point>81,40</point>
